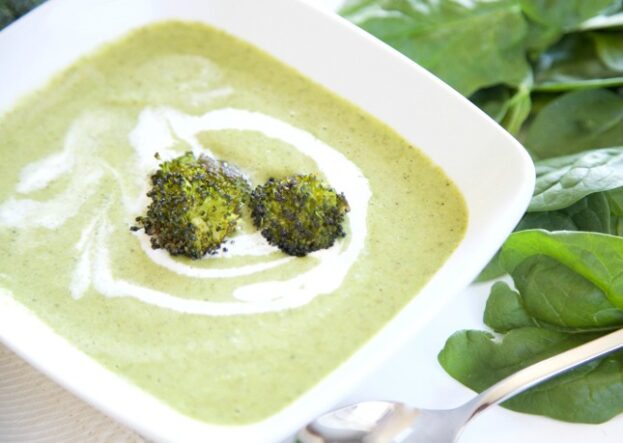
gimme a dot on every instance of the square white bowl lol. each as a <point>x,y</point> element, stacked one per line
<point>491,169</point>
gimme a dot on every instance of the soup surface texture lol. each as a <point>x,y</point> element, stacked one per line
<point>234,337</point>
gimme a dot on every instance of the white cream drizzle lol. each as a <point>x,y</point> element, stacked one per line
<point>157,130</point>
<point>104,282</point>
<point>39,174</point>
<point>53,213</point>
<point>164,259</point>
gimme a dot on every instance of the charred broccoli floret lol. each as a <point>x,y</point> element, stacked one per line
<point>299,214</point>
<point>195,204</point>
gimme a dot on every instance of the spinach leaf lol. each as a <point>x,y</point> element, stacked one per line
<point>508,109</point>
<point>505,310</point>
<point>555,296</point>
<point>539,38</point>
<point>21,7</point>
<point>574,63</point>
<point>353,7</point>
<point>603,22</point>
<point>6,15</point>
<point>495,101</point>
<point>550,294</point>
<point>547,220</point>
<point>576,121</point>
<point>492,270</point>
<point>567,14</point>
<point>615,203</point>
<point>609,46</point>
<point>560,302</point>
<point>478,360</point>
<point>596,257</point>
<point>11,10</point>
<point>599,212</point>
<point>594,212</point>
<point>592,393</point>
<point>562,181</point>
<point>518,111</point>
<point>469,45</point>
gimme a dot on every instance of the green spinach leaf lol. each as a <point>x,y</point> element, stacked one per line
<point>567,14</point>
<point>575,122</point>
<point>11,10</point>
<point>609,46</point>
<point>599,212</point>
<point>555,296</point>
<point>492,270</point>
<point>495,101</point>
<point>505,309</point>
<point>550,294</point>
<point>469,45</point>
<point>615,203</point>
<point>592,213</point>
<point>540,38</point>
<point>560,302</point>
<point>596,257</point>
<point>7,15</point>
<point>562,181</point>
<point>508,109</point>
<point>518,111</point>
<point>601,22</point>
<point>574,63</point>
<point>592,393</point>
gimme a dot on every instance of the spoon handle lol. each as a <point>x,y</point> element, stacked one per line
<point>544,370</point>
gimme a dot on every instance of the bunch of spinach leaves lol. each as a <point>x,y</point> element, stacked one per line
<point>551,73</point>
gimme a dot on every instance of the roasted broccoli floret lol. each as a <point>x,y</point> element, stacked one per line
<point>195,204</point>
<point>299,214</point>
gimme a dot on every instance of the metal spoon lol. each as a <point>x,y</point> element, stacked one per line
<point>391,422</point>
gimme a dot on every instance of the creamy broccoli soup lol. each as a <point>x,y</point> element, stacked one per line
<point>233,337</point>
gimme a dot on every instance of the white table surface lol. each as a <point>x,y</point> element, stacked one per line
<point>35,409</point>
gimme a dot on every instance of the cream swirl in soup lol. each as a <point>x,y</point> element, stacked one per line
<point>156,132</point>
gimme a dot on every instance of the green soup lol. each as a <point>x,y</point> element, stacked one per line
<point>232,338</point>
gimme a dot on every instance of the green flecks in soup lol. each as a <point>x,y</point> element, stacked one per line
<point>234,337</point>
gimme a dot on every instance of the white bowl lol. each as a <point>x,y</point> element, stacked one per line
<point>491,169</point>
